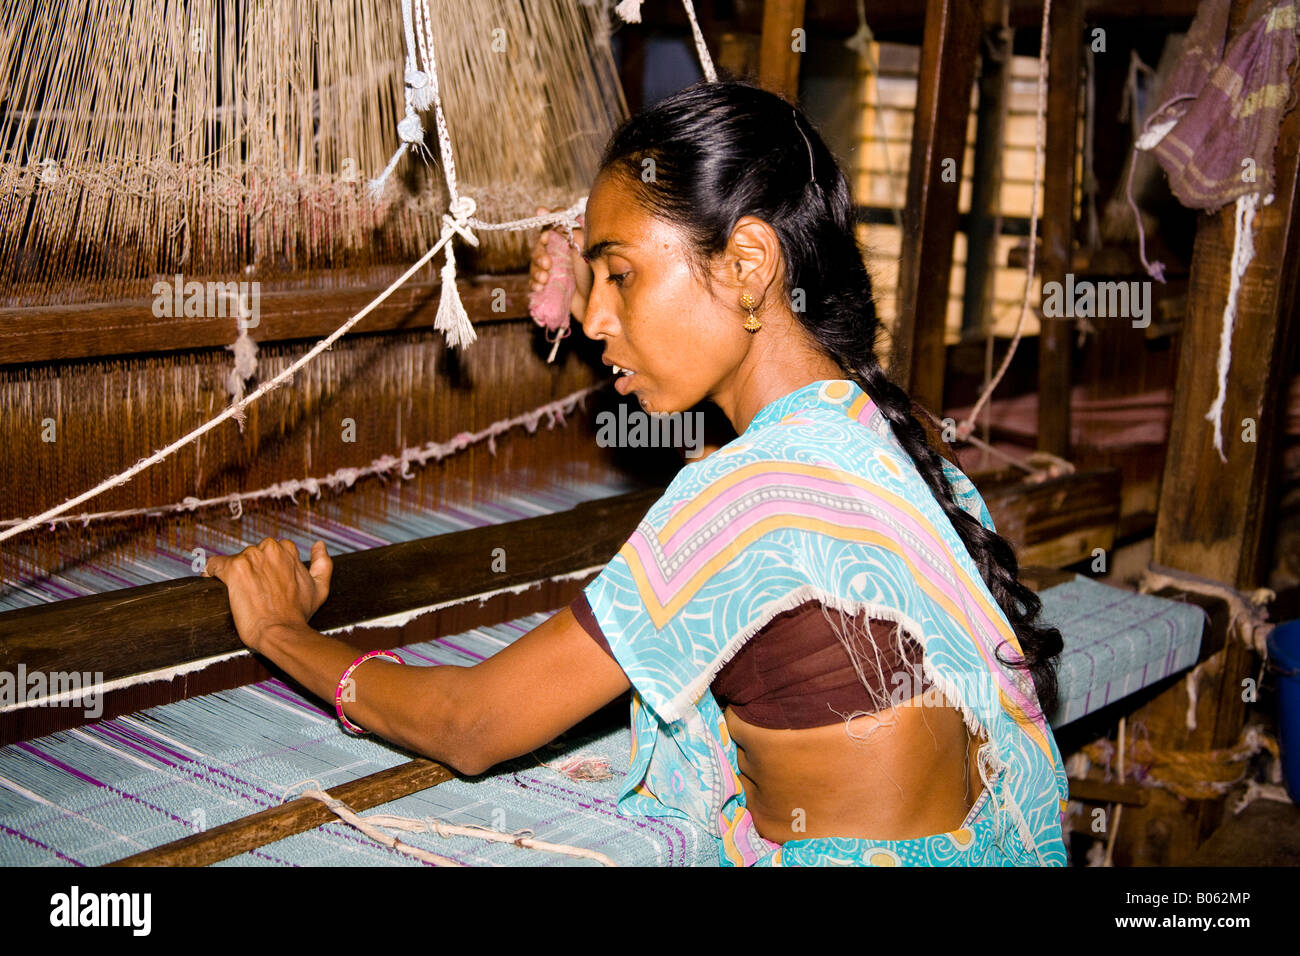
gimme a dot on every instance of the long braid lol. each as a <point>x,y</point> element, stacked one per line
<point>992,554</point>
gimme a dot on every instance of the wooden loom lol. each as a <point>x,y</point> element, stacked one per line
<point>86,357</point>
<point>95,375</point>
<point>407,571</point>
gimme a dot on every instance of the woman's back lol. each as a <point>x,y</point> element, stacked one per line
<point>816,502</point>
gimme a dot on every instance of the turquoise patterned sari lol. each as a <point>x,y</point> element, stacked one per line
<point>817,500</point>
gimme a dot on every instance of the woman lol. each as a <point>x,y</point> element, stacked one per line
<point>831,658</point>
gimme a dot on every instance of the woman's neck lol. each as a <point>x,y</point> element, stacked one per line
<point>765,384</point>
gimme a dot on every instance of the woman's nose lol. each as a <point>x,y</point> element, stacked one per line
<point>601,318</point>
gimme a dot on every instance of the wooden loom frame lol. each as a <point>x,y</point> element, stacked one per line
<point>945,55</point>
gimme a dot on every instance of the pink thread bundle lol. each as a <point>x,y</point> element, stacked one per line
<point>549,306</point>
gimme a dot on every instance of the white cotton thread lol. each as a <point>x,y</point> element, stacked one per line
<point>629,10</point>
<point>1243,251</point>
<point>371,825</point>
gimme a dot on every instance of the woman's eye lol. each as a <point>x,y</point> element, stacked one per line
<point>617,278</point>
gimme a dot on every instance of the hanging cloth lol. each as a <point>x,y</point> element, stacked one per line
<point>1215,132</point>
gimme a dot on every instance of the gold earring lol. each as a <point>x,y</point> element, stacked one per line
<point>747,301</point>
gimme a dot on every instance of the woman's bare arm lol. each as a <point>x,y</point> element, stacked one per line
<point>469,718</point>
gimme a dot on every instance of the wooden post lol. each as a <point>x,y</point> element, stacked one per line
<point>1214,518</point>
<point>778,60</point>
<point>986,186</point>
<point>1054,376</point>
<point>951,42</point>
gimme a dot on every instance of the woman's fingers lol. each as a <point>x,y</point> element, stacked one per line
<point>322,569</point>
<point>582,273</point>
<point>267,584</point>
<point>540,267</point>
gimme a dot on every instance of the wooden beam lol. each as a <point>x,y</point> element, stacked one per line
<point>134,631</point>
<point>60,333</point>
<point>986,184</point>
<point>1055,338</point>
<point>1059,521</point>
<point>778,60</point>
<point>297,816</point>
<point>1214,518</point>
<point>1101,791</point>
<point>947,70</point>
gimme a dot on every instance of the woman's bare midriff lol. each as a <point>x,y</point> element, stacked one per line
<point>911,773</point>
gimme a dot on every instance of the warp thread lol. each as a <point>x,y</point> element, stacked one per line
<point>347,477</point>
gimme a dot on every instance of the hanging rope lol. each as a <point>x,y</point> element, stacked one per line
<point>630,12</point>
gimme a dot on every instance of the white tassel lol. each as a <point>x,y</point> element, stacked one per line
<point>629,10</point>
<point>452,319</point>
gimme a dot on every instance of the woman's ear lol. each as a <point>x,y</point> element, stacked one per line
<point>756,250</point>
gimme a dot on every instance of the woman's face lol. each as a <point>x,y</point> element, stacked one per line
<point>654,317</point>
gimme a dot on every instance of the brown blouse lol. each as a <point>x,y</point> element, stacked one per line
<point>795,673</point>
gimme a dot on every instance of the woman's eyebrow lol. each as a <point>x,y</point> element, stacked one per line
<point>598,249</point>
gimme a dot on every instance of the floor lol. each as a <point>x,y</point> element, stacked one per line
<point>1266,833</point>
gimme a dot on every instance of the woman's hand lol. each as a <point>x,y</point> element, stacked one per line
<point>268,586</point>
<point>539,270</point>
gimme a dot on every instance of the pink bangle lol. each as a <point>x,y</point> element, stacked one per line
<point>338,691</point>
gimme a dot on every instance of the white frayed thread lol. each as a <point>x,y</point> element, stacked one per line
<point>629,11</point>
<point>452,320</point>
<point>1260,791</point>
<point>245,350</point>
<point>371,825</point>
<point>1243,251</point>
<point>1193,686</point>
<point>1248,620</point>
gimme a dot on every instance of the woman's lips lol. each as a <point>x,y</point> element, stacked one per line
<point>622,384</point>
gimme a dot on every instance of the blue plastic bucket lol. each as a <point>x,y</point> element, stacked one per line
<point>1284,657</point>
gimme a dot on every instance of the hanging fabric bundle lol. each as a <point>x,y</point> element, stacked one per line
<point>1215,132</point>
<point>549,305</point>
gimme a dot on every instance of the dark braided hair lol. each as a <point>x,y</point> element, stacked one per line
<point>714,152</point>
